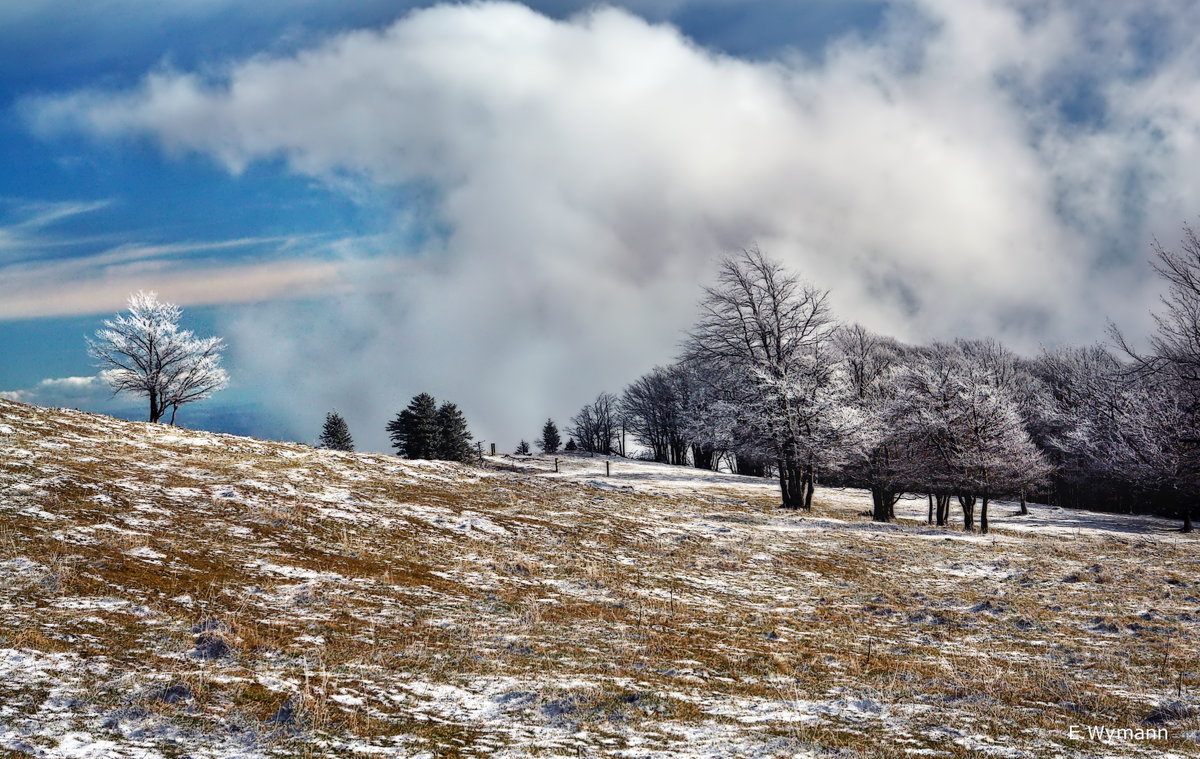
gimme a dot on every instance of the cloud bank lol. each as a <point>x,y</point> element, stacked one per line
<point>90,392</point>
<point>979,168</point>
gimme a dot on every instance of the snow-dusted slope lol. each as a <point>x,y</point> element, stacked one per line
<point>664,479</point>
<point>172,593</point>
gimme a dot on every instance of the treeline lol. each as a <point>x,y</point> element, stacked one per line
<point>771,383</point>
<point>423,430</point>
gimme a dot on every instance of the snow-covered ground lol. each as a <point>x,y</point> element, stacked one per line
<point>167,593</point>
<point>663,479</point>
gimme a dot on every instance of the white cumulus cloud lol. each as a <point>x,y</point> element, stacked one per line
<point>941,178</point>
<point>89,391</point>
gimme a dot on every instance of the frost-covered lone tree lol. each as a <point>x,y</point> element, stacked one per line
<point>144,351</point>
<point>335,435</point>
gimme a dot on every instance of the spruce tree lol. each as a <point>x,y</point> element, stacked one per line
<point>454,438</point>
<point>523,448</point>
<point>335,435</point>
<point>571,445</point>
<point>550,438</point>
<point>415,432</point>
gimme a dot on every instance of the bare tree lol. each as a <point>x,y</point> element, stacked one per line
<point>653,407</point>
<point>718,423</point>
<point>698,398</point>
<point>972,438</point>
<point>597,425</point>
<point>1077,386</point>
<point>879,452</point>
<point>1172,368</point>
<point>772,331</point>
<point>1118,426</point>
<point>144,351</point>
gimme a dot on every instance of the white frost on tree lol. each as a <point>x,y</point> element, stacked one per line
<point>144,351</point>
<point>973,441</point>
<point>771,334</point>
<point>1170,372</point>
<point>878,448</point>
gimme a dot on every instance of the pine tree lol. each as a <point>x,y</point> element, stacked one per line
<point>454,438</point>
<point>523,448</point>
<point>415,431</point>
<point>335,435</point>
<point>571,445</point>
<point>550,438</point>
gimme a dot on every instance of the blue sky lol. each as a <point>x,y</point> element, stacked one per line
<point>514,207</point>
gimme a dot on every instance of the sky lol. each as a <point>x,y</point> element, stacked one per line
<point>515,206</point>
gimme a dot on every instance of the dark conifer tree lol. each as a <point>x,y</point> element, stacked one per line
<point>415,432</point>
<point>550,439</point>
<point>571,445</point>
<point>335,435</point>
<point>522,448</point>
<point>454,438</point>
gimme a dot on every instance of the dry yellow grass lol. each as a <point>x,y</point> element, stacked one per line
<point>466,612</point>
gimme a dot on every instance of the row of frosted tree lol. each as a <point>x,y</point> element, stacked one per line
<point>770,383</point>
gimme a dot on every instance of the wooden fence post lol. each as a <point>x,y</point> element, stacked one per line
<point>607,469</point>
<point>555,463</point>
<point>493,449</point>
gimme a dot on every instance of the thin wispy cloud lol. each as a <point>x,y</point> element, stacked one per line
<point>38,278</point>
<point>42,214</point>
<point>29,226</point>
<point>72,287</point>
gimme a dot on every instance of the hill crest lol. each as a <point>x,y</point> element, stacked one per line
<point>171,591</point>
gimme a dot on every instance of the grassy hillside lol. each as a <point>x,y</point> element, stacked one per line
<point>174,593</point>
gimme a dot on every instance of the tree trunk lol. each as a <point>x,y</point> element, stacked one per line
<point>749,466</point>
<point>1187,517</point>
<point>929,519</point>
<point>983,521</point>
<point>808,483</point>
<point>703,457</point>
<point>155,413</point>
<point>794,486</point>
<point>943,509</point>
<point>174,408</point>
<point>880,499</point>
<point>785,485</point>
<point>968,509</point>
<point>1024,507</point>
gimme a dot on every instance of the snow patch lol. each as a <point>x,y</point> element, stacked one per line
<point>297,572</point>
<point>147,553</point>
